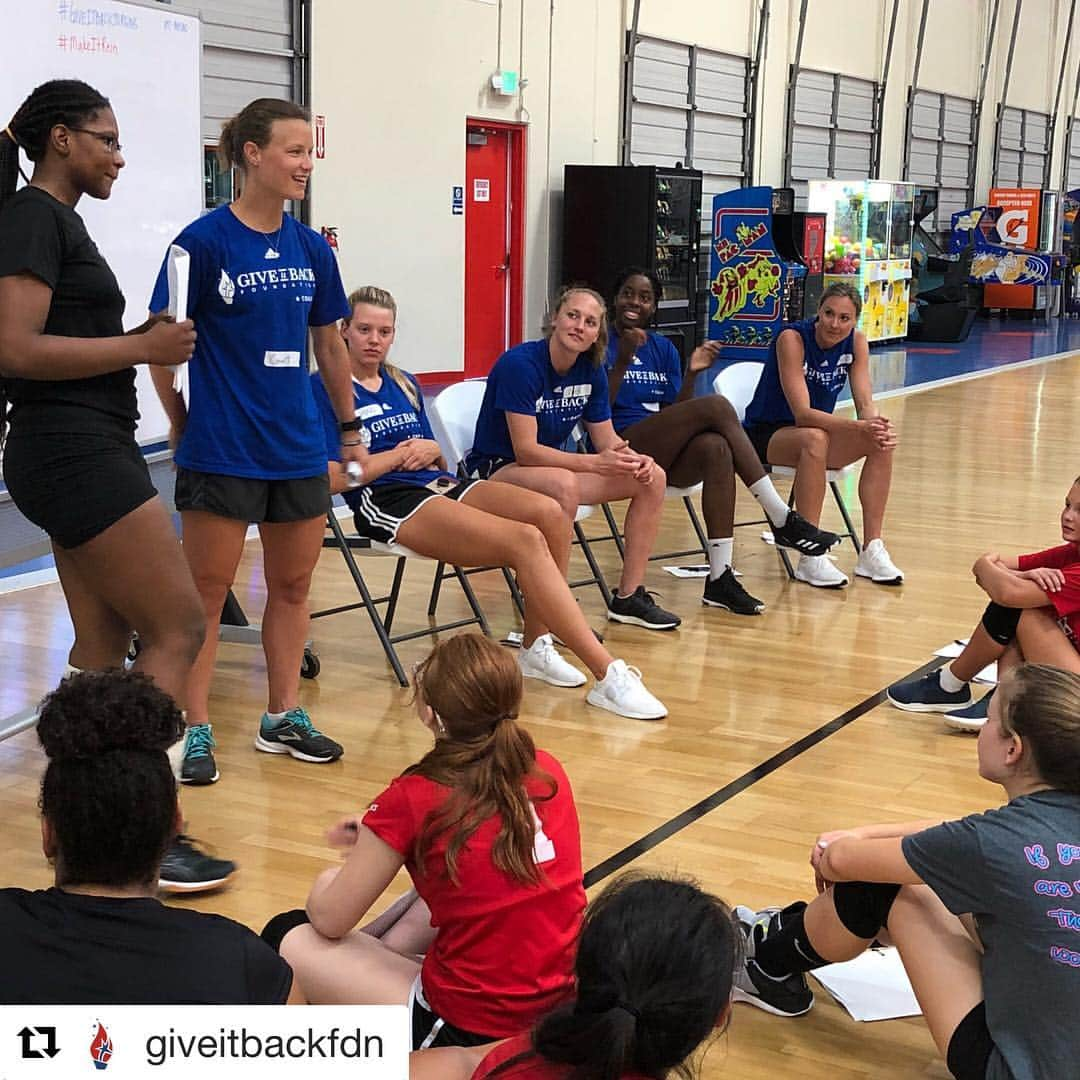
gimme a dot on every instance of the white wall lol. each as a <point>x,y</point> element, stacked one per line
<point>397,81</point>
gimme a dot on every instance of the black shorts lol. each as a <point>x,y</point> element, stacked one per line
<point>760,434</point>
<point>246,499</point>
<point>379,510</point>
<point>429,1029</point>
<point>76,484</point>
<point>482,467</point>
<point>971,1047</point>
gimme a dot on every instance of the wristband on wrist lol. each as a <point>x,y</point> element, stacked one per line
<point>350,425</point>
<point>357,442</point>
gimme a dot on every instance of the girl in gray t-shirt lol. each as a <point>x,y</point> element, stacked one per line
<point>985,910</point>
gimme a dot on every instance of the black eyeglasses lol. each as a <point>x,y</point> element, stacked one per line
<point>109,141</point>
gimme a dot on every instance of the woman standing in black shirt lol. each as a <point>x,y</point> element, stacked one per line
<point>71,461</point>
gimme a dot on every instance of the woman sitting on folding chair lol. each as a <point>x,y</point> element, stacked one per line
<point>695,440</point>
<point>407,497</point>
<point>790,421</point>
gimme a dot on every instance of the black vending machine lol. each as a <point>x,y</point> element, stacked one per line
<point>637,215</point>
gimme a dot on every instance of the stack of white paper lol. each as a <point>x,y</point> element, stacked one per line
<point>179,263</point>
<point>873,986</point>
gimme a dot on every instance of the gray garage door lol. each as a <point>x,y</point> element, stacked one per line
<point>940,151</point>
<point>1022,149</point>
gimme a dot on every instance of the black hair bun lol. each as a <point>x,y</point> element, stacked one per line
<point>94,712</point>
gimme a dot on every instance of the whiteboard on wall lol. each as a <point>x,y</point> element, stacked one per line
<point>146,61</point>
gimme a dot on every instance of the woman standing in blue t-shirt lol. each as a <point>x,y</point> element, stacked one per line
<point>695,440</point>
<point>790,421</point>
<point>408,497</point>
<point>249,444</point>
<point>536,394</point>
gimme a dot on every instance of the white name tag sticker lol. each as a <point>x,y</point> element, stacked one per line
<point>581,390</point>
<point>366,412</point>
<point>281,359</point>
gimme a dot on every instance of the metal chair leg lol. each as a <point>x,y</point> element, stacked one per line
<point>594,567</point>
<point>842,507</point>
<point>436,588</point>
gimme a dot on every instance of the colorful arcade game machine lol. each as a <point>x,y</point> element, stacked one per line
<point>1071,247</point>
<point>977,239</point>
<point>868,244</point>
<point>1030,221</point>
<point>809,232</point>
<point>755,274</point>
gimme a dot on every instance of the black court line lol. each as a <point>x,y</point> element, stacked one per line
<point>613,863</point>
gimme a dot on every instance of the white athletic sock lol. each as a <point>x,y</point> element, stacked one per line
<point>949,682</point>
<point>720,556</point>
<point>277,717</point>
<point>775,508</point>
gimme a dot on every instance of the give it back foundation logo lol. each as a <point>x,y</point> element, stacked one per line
<point>101,1048</point>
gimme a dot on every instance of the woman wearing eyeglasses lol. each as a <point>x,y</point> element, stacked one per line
<point>71,462</point>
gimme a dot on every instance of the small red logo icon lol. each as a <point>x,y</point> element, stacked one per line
<point>101,1048</point>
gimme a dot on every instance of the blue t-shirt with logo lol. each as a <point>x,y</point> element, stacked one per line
<point>826,373</point>
<point>524,381</point>
<point>250,411</point>
<point>389,418</point>
<point>653,378</point>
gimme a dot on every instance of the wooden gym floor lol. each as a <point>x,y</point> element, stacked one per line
<point>775,729</point>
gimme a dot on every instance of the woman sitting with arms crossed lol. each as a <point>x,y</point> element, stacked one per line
<point>536,394</point>
<point>486,826</point>
<point>693,440</point>
<point>408,497</point>
<point>1033,615</point>
<point>981,909</point>
<point>790,421</point>
<point>654,969</point>
<point>108,813</point>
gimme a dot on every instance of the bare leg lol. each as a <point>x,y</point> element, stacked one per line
<point>1042,641</point>
<point>290,552</point>
<point>980,651</point>
<point>943,963</point>
<point>133,576</point>
<point>357,969</point>
<point>806,450</point>
<point>465,535</point>
<point>708,458</point>
<point>213,546</point>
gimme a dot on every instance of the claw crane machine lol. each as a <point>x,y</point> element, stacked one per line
<point>868,231</point>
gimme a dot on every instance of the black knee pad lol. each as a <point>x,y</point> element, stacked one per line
<point>863,907</point>
<point>273,933</point>
<point>1000,622</point>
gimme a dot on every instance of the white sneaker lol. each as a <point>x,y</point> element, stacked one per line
<point>541,660</point>
<point>622,691</point>
<point>874,563</point>
<point>821,571</point>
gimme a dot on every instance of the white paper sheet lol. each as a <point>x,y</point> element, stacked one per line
<point>988,675</point>
<point>873,986</point>
<point>177,268</point>
<point>696,570</point>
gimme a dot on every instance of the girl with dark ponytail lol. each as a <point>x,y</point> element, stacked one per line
<point>654,975</point>
<point>108,814</point>
<point>71,462</point>
<point>486,826</point>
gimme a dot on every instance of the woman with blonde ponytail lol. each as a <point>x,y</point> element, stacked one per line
<point>487,828</point>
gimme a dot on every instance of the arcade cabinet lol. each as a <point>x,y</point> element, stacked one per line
<point>1029,222</point>
<point>809,231</point>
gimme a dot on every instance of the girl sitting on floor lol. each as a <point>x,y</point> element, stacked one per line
<point>1033,615</point>
<point>654,969</point>
<point>487,828</point>
<point>981,909</point>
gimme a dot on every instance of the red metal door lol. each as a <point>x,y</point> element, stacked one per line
<point>491,256</point>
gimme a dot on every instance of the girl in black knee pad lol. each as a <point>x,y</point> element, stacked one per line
<point>654,971</point>
<point>695,440</point>
<point>982,910</point>
<point>1033,615</point>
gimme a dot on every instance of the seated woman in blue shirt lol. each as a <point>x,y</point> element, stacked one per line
<point>536,395</point>
<point>695,440</point>
<point>407,497</point>
<point>790,421</point>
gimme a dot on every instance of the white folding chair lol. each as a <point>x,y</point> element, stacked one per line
<point>453,416</point>
<point>737,383</point>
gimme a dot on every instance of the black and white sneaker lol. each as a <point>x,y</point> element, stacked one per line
<point>296,735</point>
<point>798,534</point>
<point>789,995</point>
<point>641,609</point>
<point>186,869</point>
<point>727,592</point>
